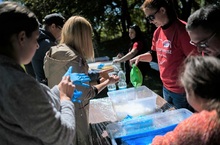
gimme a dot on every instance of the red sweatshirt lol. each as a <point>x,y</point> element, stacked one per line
<point>172,47</point>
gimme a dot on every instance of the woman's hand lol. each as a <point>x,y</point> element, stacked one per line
<point>120,55</point>
<point>104,73</point>
<point>113,79</point>
<point>146,57</point>
<point>66,88</point>
<point>135,60</point>
<point>116,60</point>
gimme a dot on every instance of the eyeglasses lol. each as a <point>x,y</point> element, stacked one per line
<point>59,27</point>
<point>152,16</point>
<point>204,43</point>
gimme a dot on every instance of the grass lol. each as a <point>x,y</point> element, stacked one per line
<point>153,82</point>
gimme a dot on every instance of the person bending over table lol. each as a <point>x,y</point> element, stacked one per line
<point>200,78</point>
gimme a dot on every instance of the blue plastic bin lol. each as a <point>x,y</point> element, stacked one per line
<point>141,130</point>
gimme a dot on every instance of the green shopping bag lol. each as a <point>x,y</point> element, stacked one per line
<point>136,77</point>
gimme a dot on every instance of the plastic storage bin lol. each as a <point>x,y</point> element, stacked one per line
<point>133,102</point>
<point>143,129</point>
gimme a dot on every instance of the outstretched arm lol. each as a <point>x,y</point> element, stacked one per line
<point>128,56</point>
<point>146,57</point>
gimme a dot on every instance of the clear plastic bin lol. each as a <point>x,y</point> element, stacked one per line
<point>145,128</point>
<point>133,102</point>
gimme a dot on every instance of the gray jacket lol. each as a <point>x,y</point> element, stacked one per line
<point>31,113</point>
<point>57,61</point>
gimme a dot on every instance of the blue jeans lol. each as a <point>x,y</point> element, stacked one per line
<point>175,99</point>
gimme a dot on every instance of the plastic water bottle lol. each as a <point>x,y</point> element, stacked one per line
<point>117,65</point>
<point>122,85</point>
<point>111,87</point>
<point>121,76</point>
<point>122,80</point>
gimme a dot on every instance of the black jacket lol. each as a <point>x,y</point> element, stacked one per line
<point>45,41</point>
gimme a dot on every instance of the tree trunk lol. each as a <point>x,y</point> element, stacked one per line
<point>186,9</point>
<point>125,17</point>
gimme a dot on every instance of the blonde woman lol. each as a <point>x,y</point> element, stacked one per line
<point>74,49</point>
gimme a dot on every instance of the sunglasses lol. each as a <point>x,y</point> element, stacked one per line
<point>204,43</point>
<point>152,16</point>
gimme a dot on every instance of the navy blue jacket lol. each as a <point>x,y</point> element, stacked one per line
<point>46,40</point>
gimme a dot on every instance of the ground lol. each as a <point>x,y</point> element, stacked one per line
<point>153,82</point>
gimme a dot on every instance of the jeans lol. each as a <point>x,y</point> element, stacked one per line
<point>178,100</point>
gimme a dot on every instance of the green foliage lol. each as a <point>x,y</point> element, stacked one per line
<point>110,18</point>
<point>43,7</point>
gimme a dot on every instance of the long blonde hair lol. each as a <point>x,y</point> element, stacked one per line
<point>77,33</point>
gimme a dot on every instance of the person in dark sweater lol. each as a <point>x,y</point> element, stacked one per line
<point>49,36</point>
<point>30,112</point>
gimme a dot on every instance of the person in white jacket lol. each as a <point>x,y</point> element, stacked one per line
<point>30,113</point>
